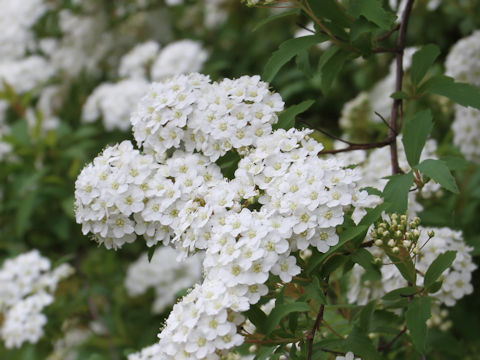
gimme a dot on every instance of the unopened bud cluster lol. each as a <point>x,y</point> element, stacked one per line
<point>398,233</point>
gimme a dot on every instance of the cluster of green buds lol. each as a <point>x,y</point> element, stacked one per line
<point>398,233</point>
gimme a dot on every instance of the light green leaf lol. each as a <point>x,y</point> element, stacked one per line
<point>461,93</point>
<point>396,192</point>
<point>422,60</point>
<point>279,312</point>
<point>287,51</point>
<point>438,171</point>
<point>286,119</point>
<point>417,314</point>
<point>438,266</point>
<point>373,11</point>
<point>415,134</point>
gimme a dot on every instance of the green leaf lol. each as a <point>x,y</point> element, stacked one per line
<point>403,262</point>
<point>331,62</point>
<point>24,212</point>
<point>287,51</point>
<point>455,162</point>
<point>415,134</point>
<point>275,17</point>
<point>396,192</point>
<point>399,95</point>
<point>360,344</point>
<point>374,214</point>
<point>437,285</point>
<point>373,11</point>
<point>314,291</point>
<point>257,317</point>
<point>438,171</point>
<point>417,314</point>
<point>438,266</point>
<point>461,93</point>
<point>365,259</point>
<point>366,315</point>
<point>279,312</point>
<point>329,9</point>
<point>264,352</point>
<point>422,60</point>
<point>399,293</point>
<point>286,119</point>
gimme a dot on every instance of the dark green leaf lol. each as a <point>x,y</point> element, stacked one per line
<point>287,51</point>
<point>373,11</point>
<point>329,9</point>
<point>396,192</point>
<point>422,60</point>
<point>331,63</point>
<point>455,162</point>
<point>399,293</point>
<point>314,291</point>
<point>415,133</point>
<point>279,312</point>
<point>438,171</point>
<point>24,213</point>
<point>437,285</point>
<point>286,119</point>
<point>257,317</point>
<point>366,315</point>
<point>365,259</point>
<point>399,95</point>
<point>461,93</point>
<point>275,17</point>
<point>438,266</point>
<point>265,352</point>
<point>360,344</point>
<point>417,314</point>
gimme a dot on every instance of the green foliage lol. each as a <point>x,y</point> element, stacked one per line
<point>461,93</point>
<point>286,119</point>
<point>415,134</point>
<point>373,11</point>
<point>396,192</point>
<point>438,171</point>
<point>417,314</point>
<point>439,265</point>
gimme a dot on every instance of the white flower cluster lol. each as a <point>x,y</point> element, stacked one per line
<point>114,102</point>
<point>163,273</point>
<point>67,347</point>
<point>463,64</point>
<point>456,279</point>
<point>27,284</point>
<point>283,198</point>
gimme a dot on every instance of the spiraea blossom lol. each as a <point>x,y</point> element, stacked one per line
<point>283,198</point>
<point>456,279</point>
<point>27,285</point>
<point>164,274</point>
<point>463,64</point>
<point>136,62</point>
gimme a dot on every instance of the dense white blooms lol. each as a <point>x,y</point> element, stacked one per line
<point>27,285</point>
<point>163,273</point>
<point>67,347</point>
<point>5,147</point>
<point>456,279</point>
<point>179,57</point>
<point>114,103</point>
<point>25,74</point>
<point>136,62</point>
<point>463,63</point>
<point>16,20</point>
<point>176,193</point>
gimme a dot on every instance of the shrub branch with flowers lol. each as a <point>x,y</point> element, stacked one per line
<point>260,231</point>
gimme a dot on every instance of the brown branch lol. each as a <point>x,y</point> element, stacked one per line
<point>385,122</point>
<point>397,103</point>
<point>316,326</point>
<point>387,35</point>
<point>387,346</point>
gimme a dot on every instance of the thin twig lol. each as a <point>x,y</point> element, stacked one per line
<point>311,126</point>
<point>385,122</point>
<point>387,35</point>
<point>316,326</point>
<point>389,345</point>
<point>397,103</point>
<point>306,28</point>
<point>366,146</point>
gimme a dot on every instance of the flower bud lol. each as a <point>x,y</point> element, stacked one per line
<point>391,243</point>
<point>431,233</point>
<point>396,250</point>
<point>378,242</point>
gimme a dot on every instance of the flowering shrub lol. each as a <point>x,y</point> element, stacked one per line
<point>325,209</point>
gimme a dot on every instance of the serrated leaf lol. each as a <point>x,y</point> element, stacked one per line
<point>415,134</point>
<point>275,17</point>
<point>396,192</point>
<point>438,171</point>
<point>438,266</point>
<point>373,11</point>
<point>287,51</point>
<point>422,60</point>
<point>286,119</point>
<point>279,312</point>
<point>331,62</point>
<point>417,314</point>
<point>461,93</point>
